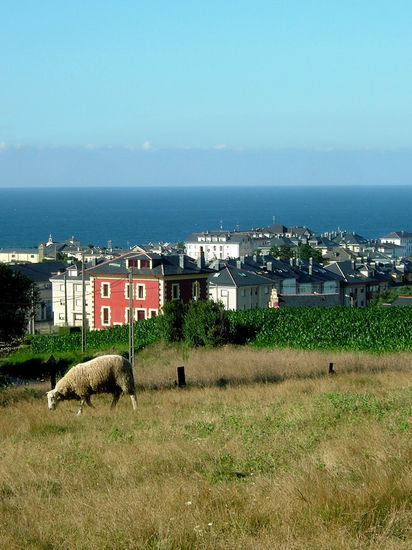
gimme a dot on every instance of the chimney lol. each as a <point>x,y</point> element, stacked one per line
<point>310,269</point>
<point>269,266</point>
<point>239,264</point>
<point>291,262</point>
<point>182,262</point>
<point>201,259</point>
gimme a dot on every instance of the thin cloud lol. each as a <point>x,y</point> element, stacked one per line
<point>220,146</point>
<point>147,146</point>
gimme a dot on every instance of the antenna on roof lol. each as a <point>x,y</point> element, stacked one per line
<point>221,224</point>
<point>273,219</point>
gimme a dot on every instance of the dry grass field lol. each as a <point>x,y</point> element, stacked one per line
<point>262,450</point>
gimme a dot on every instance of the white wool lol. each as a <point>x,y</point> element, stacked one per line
<point>105,374</point>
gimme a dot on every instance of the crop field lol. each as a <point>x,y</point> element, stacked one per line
<point>262,450</point>
<point>373,329</point>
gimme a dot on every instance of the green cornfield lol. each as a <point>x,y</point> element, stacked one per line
<point>372,329</point>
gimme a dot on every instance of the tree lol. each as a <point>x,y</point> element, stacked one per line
<point>284,252</point>
<point>206,324</point>
<point>305,251</point>
<point>18,298</point>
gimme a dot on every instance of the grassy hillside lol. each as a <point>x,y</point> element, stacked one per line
<point>262,450</point>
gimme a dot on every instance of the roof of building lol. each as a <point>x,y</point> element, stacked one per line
<point>161,265</point>
<point>347,238</point>
<point>225,236</point>
<point>350,273</point>
<point>19,250</point>
<point>231,275</point>
<point>402,301</point>
<point>398,235</point>
<point>38,272</point>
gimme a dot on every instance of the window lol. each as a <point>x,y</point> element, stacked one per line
<point>144,264</point>
<point>105,316</point>
<point>175,291</point>
<point>196,290</point>
<point>78,302</point>
<point>152,312</point>
<point>141,314</point>
<point>127,290</point>
<point>141,292</point>
<point>131,263</point>
<point>61,316</point>
<point>242,291</point>
<point>62,301</point>
<point>78,288</point>
<point>223,292</point>
<point>105,290</point>
<point>126,316</point>
<point>61,288</point>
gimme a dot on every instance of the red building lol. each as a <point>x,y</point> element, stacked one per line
<point>156,279</point>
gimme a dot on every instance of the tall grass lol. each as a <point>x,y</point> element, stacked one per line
<point>303,460</point>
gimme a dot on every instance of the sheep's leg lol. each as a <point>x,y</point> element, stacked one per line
<point>79,412</point>
<point>116,397</point>
<point>134,401</point>
<point>87,399</point>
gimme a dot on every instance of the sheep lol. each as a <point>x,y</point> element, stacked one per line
<point>105,374</point>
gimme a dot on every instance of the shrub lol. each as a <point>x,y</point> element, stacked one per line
<point>206,324</point>
<point>172,321</point>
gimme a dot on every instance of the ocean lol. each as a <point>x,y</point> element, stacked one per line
<point>127,216</point>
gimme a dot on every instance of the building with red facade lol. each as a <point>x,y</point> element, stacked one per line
<point>155,278</point>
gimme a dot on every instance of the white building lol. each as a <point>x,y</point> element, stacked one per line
<point>20,255</point>
<point>402,239</point>
<point>67,297</point>
<point>238,288</point>
<point>220,244</point>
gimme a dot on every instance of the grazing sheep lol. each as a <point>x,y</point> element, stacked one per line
<point>105,374</point>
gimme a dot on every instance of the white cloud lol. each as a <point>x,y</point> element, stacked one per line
<point>220,146</point>
<point>147,146</point>
<point>2,145</point>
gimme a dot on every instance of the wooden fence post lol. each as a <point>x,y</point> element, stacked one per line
<point>181,378</point>
<point>331,371</point>
<point>51,362</point>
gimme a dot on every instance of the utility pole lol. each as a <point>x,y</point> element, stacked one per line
<point>131,335</point>
<point>65,300</point>
<point>83,307</point>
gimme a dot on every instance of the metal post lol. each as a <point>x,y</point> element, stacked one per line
<point>131,335</point>
<point>83,307</point>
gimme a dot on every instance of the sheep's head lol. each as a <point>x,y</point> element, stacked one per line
<point>53,398</point>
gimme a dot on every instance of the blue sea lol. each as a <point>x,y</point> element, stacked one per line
<point>127,216</point>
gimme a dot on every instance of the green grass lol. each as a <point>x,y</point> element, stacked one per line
<point>311,461</point>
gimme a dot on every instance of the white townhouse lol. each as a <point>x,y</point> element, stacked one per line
<point>67,297</point>
<point>402,239</point>
<point>239,288</point>
<point>20,255</point>
<point>220,244</point>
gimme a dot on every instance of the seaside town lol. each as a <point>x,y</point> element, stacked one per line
<point>274,266</point>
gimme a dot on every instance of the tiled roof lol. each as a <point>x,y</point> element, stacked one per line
<point>162,265</point>
<point>39,272</point>
<point>230,275</point>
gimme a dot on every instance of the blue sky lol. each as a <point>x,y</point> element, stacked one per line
<point>217,75</point>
